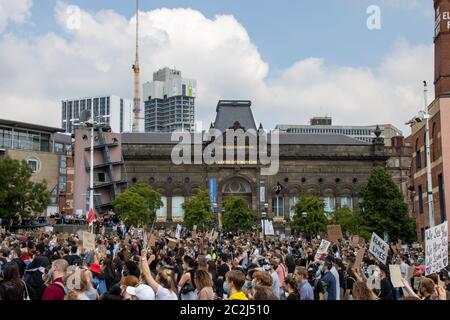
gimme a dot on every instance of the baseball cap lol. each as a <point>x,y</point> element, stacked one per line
<point>142,292</point>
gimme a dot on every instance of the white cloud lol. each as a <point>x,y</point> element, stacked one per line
<point>96,59</point>
<point>14,10</point>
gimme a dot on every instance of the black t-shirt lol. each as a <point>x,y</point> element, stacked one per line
<point>293,296</point>
<point>386,289</point>
<point>317,288</point>
<point>349,283</point>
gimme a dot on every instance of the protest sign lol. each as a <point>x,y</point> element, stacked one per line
<point>88,241</point>
<point>378,248</point>
<point>172,243</point>
<point>268,228</point>
<point>374,280</point>
<point>178,232</point>
<point>152,241</point>
<point>334,232</point>
<point>436,248</point>
<point>359,258</point>
<point>323,249</point>
<point>396,275</point>
<point>355,240</point>
<point>215,236</point>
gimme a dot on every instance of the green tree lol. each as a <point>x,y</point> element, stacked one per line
<point>137,206</point>
<point>237,216</point>
<point>383,208</point>
<point>349,220</point>
<point>197,210</point>
<point>19,196</point>
<point>309,217</point>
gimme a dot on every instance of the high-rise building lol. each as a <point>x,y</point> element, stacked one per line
<point>324,125</point>
<point>112,111</point>
<point>169,102</point>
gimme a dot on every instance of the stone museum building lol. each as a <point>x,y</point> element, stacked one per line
<point>334,167</point>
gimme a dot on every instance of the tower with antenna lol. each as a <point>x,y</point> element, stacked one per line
<point>137,81</point>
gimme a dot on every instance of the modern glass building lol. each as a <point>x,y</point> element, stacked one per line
<point>112,111</point>
<point>169,102</point>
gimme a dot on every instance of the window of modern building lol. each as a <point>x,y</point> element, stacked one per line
<point>33,164</point>
<point>329,203</point>
<point>162,212</point>
<point>59,147</point>
<point>177,210</point>
<point>292,202</point>
<point>420,195</point>
<point>278,206</point>
<point>62,183</point>
<point>347,202</point>
<point>63,165</point>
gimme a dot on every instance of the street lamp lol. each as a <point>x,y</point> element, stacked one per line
<point>421,117</point>
<point>91,123</point>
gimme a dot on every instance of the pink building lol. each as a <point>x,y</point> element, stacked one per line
<point>109,171</point>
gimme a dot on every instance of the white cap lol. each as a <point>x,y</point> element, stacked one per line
<point>142,292</point>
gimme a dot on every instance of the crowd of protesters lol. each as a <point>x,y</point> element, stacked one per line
<point>125,266</point>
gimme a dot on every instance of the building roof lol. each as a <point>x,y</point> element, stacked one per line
<point>30,126</point>
<point>318,139</point>
<point>148,138</point>
<point>231,111</point>
<point>285,139</point>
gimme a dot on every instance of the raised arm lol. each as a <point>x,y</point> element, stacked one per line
<point>145,269</point>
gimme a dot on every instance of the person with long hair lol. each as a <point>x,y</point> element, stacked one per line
<point>291,285</point>
<point>164,284</point>
<point>12,287</point>
<point>186,284</point>
<point>360,291</point>
<point>203,284</point>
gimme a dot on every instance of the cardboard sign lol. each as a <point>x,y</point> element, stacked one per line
<point>152,241</point>
<point>334,233</point>
<point>88,241</point>
<point>378,248</point>
<point>436,248</point>
<point>396,275</point>
<point>359,258</point>
<point>323,249</point>
<point>172,243</point>
<point>215,236</point>
<point>355,241</point>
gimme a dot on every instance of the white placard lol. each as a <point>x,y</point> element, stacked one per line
<point>436,248</point>
<point>178,233</point>
<point>323,248</point>
<point>268,228</point>
<point>378,248</point>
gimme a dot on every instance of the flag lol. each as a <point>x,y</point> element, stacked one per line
<point>91,216</point>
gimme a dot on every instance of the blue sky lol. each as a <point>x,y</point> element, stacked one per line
<point>286,31</point>
<point>302,58</point>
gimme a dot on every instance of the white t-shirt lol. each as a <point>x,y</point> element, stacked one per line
<point>165,294</point>
<point>338,287</point>
<point>276,284</point>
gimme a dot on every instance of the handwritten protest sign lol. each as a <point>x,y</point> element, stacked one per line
<point>172,243</point>
<point>436,248</point>
<point>88,241</point>
<point>378,248</point>
<point>334,232</point>
<point>323,249</point>
<point>396,275</point>
<point>359,258</point>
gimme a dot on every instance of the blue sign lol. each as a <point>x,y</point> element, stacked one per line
<point>213,193</point>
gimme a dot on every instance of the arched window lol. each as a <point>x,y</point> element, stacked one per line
<point>418,156</point>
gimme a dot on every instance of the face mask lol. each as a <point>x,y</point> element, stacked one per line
<point>225,287</point>
<point>253,283</point>
<point>50,274</point>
